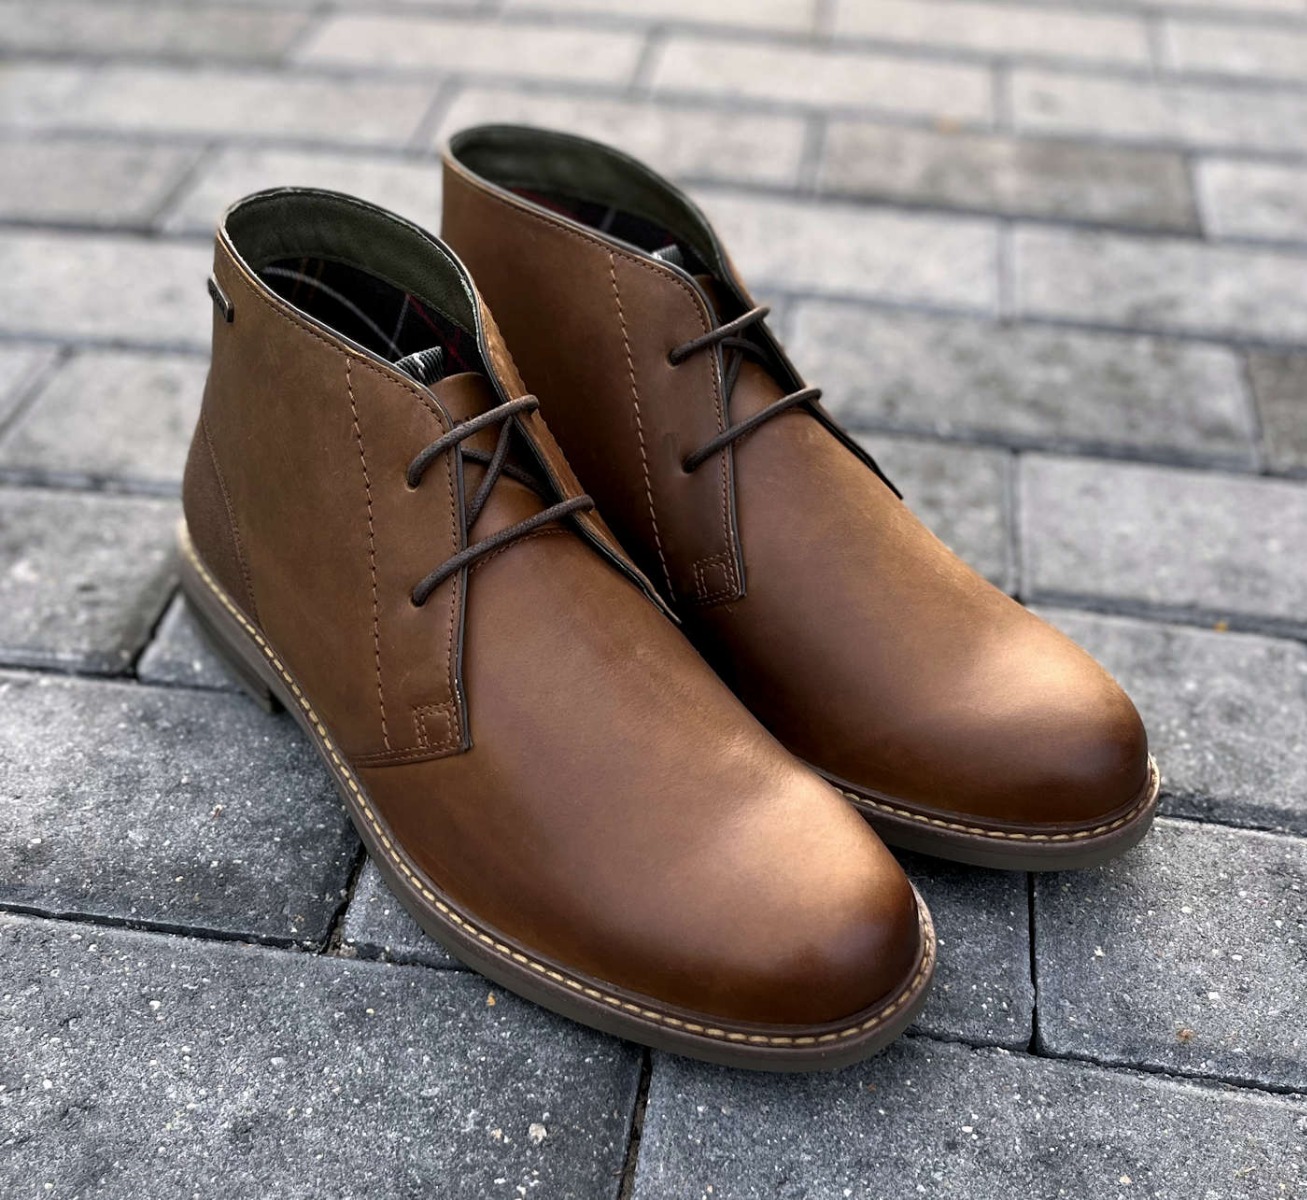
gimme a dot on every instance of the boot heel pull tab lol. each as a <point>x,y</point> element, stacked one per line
<point>221,302</point>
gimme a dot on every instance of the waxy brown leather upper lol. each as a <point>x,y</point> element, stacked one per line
<point>860,640</point>
<point>541,740</point>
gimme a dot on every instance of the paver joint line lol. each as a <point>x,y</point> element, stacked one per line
<point>1046,257</point>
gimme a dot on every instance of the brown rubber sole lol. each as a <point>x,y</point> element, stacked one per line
<point>1013,849</point>
<point>516,967</point>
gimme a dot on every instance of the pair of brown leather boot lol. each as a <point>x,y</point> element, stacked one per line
<point>384,536</point>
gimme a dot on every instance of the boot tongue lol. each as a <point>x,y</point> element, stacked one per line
<point>466,395</point>
<point>426,366</point>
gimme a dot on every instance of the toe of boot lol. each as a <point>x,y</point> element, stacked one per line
<point>1074,752</point>
<point>1095,757</point>
<point>834,929</point>
<point>1040,761</point>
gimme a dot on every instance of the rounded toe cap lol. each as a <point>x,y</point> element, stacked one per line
<point>1035,736</point>
<point>1079,752</point>
<point>1098,761</point>
<point>866,950</point>
<point>830,935</point>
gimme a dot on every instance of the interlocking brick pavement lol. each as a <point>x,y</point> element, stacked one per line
<point>1049,261</point>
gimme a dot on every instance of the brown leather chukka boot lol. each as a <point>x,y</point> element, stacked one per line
<point>959,723</point>
<point>383,537</point>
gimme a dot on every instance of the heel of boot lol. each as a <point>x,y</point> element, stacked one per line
<point>223,633</point>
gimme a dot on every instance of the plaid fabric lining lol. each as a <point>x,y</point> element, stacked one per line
<point>370,311</point>
<point>628,227</point>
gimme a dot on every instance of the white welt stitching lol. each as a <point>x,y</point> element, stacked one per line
<point>1150,794</point>
<point>927,932</point>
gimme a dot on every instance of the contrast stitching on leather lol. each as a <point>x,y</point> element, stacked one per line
<point>639,424</point>
<point>905,997</point>
<point>1150,794</point>
<point>444,710</point>
<point>727,563</point>
<point>696,301</point>
<point>291,318</point>
<point>455,594</point>
<point>396,758</point>
<point>258,294</point>
<point>372,555</point>
<point>231,516</point>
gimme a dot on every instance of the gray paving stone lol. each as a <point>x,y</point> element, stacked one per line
<point>1214,7</point>
<point>79,285</point>
<point>1198,545</point>
<point>1026,385</point>
<point>1253,200</point>
<point>34,94</point>
<point>1014,176</point>
<point>284,4</point>
<point>791,15</point>
<point>797,75</point>
<point>1226,714</point>
<point>156,805</point>
<point>961,492</point>
<point>110,416</point>
<point>1293,7</point>
<point>1237,119</point>
<point>1280,385</point>
<point>688,142</point>
<point>179,654</point>
<point>942,1119</point>
<point>19,366</point>
<point>983,991</point>
<point>247,104</point>
<point>410,187</point>
<point>1006,30</point>
<point>88,182</point>
<point>376,926</point>
<point>140,1065</point>
<point>1150,283</point>
<point>82,577</point>
<point>848,250</point>
<point>1191,961</point>
<point>1271,52</point>
<point>226,31</point>
<point>415,5</point>
<point>469,45</point>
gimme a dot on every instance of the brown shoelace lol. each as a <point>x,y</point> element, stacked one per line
<point>727,337</point>
<point>496,464</point>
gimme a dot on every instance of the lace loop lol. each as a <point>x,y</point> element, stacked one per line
<point>726,336</point>
<point>463,431</point>
<point>680,353</point>
<point>727,436</point>
<point>471,553</point>
<point>495,464</point>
